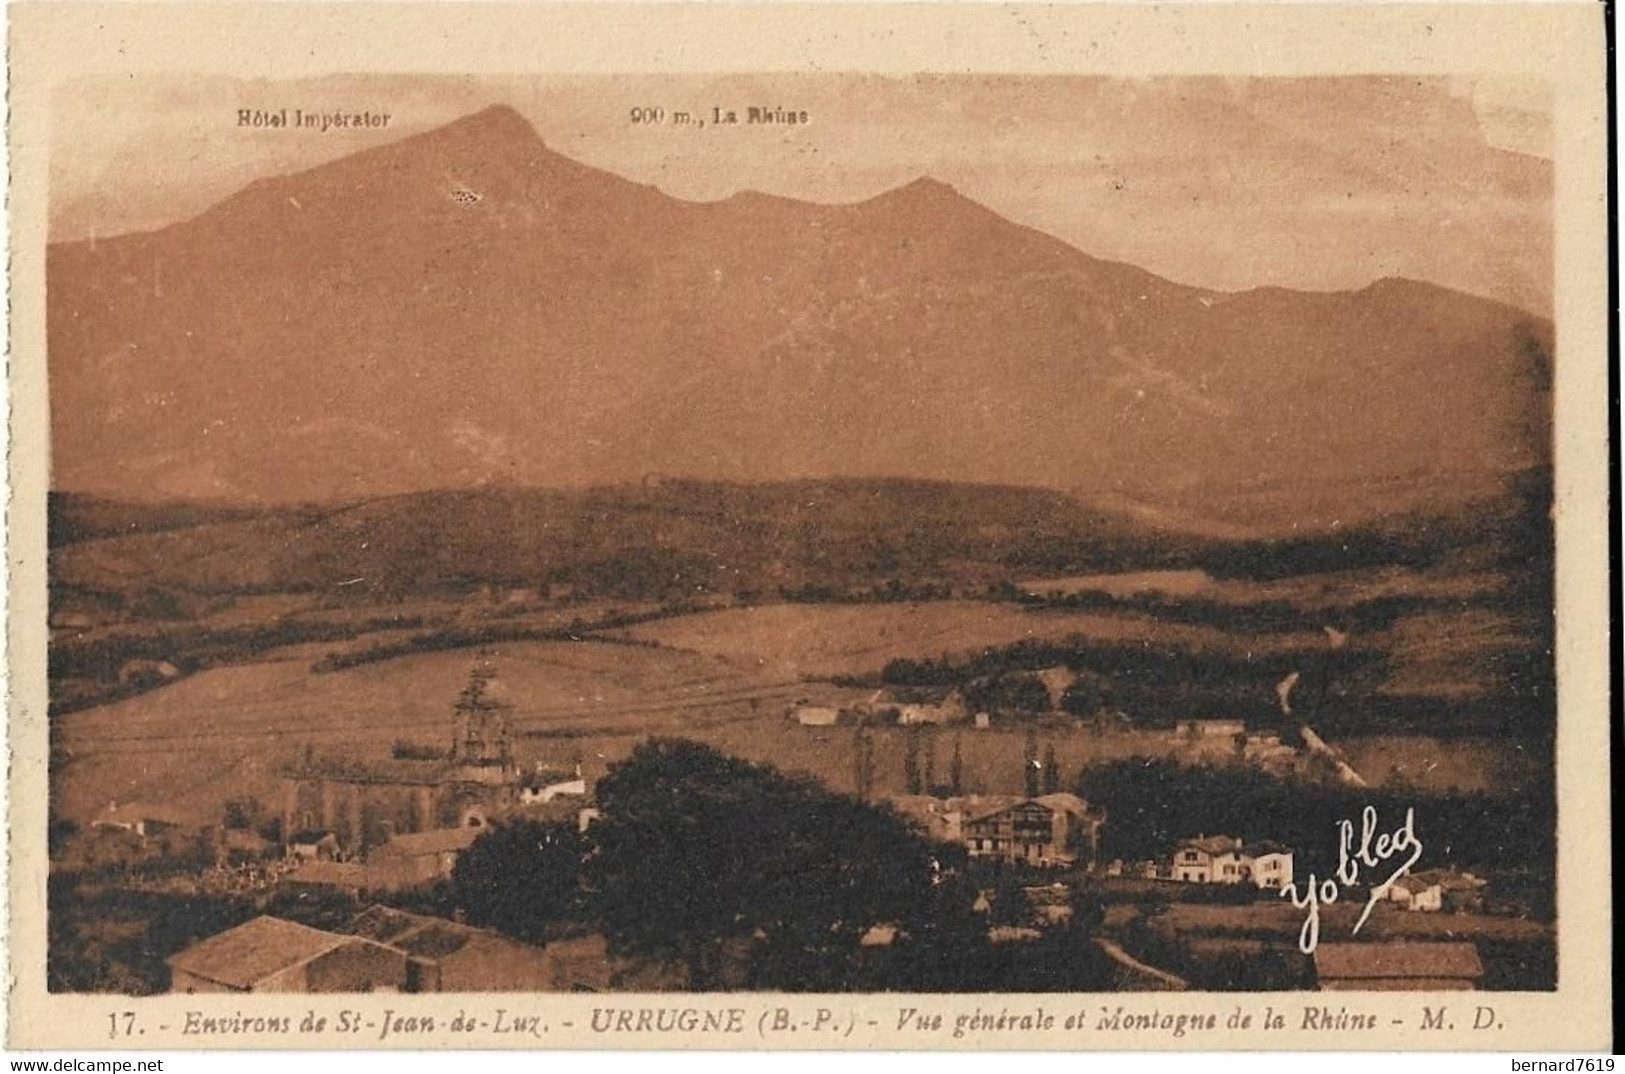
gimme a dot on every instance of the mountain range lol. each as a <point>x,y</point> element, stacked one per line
<point>467,307</point>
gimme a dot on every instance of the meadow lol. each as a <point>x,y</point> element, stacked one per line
<point>725,676</point>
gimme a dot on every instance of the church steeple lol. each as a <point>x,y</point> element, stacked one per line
<point>480,733</point>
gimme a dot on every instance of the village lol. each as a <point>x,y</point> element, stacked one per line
<point>375,836</point>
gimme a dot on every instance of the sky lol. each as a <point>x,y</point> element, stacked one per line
<point>1226,183</point>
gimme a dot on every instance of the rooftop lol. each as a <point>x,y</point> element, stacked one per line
<point>1211,844</point>
<point>435,841</point>
<point>426,937</point>
<point>339,874</point>
<point>248,954</point>
<point>130,813</point>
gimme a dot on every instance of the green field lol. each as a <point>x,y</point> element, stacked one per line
<point>724,676</point>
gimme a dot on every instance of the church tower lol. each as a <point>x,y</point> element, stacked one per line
<point>480,737</point>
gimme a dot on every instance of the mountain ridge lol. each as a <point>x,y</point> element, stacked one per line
<point>468,305</point>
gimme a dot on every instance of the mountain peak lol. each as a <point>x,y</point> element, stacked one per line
<point>924,189</point>
<point>498,121</point>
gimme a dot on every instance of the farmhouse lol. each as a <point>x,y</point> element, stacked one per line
<point>1397,967</point>
<point>1209,729</point>
<point>448,956</point>
<point>1055,829</point>
<point>1417,894</point>
<point>313,846</point>
<point>1458,891</point>
<point>318,875</point>
<point>1224,859</point>
<point>366,803</point>
<point>269,954</point>
<point>384,949</point>
<point>815,715</point>
<point>146,819</point>
<point>417,858</point>
<point>941,819</point>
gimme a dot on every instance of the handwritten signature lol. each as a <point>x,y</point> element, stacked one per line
<point>1373,849</point>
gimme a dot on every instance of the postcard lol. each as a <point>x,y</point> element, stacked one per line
<point>920,526</point>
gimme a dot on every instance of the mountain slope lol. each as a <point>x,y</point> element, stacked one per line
<point>468,306</point>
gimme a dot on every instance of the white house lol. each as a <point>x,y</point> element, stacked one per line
<point>1271,864</point>
<point>1209,728</point>
<point>1194,858</point>
<point>815,715</point>
<point>146,819</point>
<point>1224,859</point>
<point>542,786</point>
<point>1419,894</point>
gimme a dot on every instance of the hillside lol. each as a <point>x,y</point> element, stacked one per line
<point>671,539</point>
<point>645,541</point>
<point>467,306</point>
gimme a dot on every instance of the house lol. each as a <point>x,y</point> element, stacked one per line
<point>1417,894</point>
<point>912,707</point>
<point>915,714</point>
<point>323,875</point>
<point>418,858</point>
<point>1224,859</point>
<point>71,621</point>
<point>449,956</point>
<point>982,721</point>
<point>147,672</point>
<point>1397,966</point>
<point>1055,829</point>
<point>1267,751</point>
<point>146,819</point>
<point>542,786</point>
<point>1209,729</point>
<point>815,715</point>
<point>1460,892</point>
<point>313,846</point>
<point>269,954</point>
<point>940,819</point>
<point>1194,859</point>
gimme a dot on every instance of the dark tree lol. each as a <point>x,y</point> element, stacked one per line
<point>1052,769</point>
<point>1019,692</point>
<point>519,877</point>
<point>744,876</point>
<point>1087,695</point>
<point>929,734</point>
<point>956,769</point>
<point>911,761</point>
<point>863,759</point>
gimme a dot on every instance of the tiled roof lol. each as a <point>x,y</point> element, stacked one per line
<point>1212,844</point>
<point>434,841</point>
<point>244,956</point>
<point>1065,803</point>
<point>339,874</point>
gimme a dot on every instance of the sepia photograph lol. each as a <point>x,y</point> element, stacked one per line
<point>827,532</point>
